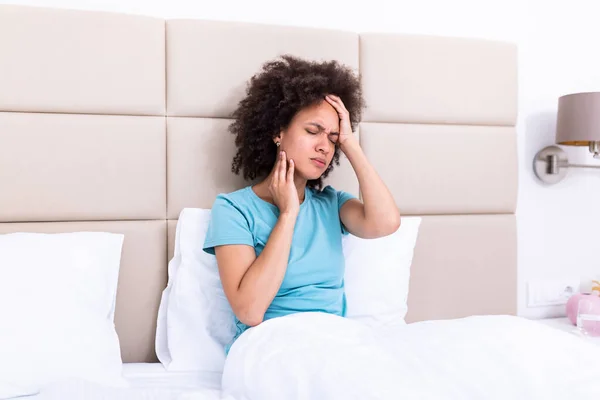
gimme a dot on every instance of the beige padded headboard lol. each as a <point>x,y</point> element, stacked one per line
<point>116,122</point>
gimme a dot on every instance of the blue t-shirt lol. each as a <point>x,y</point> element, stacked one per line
<point>314,279</point>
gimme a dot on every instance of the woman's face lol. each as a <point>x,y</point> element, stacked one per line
<point>310,139</point>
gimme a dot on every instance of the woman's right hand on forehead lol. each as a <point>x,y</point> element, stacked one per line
<point>282,187</point>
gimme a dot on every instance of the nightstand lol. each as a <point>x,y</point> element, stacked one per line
<point>565,325</point>
<point>559,323</point>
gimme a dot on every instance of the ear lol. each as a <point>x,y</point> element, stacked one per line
<point>277,138</point>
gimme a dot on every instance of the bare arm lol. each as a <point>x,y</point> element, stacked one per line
<point>378,214</point>
<point>249,282</point>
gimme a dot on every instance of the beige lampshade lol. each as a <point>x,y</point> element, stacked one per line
<point>578,120</point>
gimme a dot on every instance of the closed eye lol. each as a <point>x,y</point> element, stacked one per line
<point>333,136</point>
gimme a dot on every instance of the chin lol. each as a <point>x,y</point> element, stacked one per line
<point>310,172</point>
<point>311,175</point>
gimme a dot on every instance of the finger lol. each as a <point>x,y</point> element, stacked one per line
<point>334,98</point>
<point>290,171</point>
<point>339,101</point>
<point>330,99</point>
<point>333,103</point>
<point>341,104</point>
<point>276,170</point>
<point>337,104</point>
<point>344,107</point>
<point>282,168</point>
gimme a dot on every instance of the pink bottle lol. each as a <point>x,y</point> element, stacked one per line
<point>573,304</point>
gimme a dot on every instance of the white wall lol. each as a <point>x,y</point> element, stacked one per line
<point>557,224</point>
<point>557,55</point>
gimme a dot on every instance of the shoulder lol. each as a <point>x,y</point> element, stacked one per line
<point>235,198</point>
<point>229,222</point>
<point>331,195</point>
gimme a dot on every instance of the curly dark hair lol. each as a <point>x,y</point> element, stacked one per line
<point>274,95</point>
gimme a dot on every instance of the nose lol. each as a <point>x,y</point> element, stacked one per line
<point>323,143</point>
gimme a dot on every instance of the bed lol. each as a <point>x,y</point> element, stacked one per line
<point>126,125</point>
<point>146,381</point>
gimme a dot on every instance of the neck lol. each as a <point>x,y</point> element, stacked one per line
<point>262,188</point>
<point>300,187</point>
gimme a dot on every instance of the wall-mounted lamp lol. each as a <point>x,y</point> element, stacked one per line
<point>577,124</point>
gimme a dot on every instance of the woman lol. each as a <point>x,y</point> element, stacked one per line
<point>278,244</point>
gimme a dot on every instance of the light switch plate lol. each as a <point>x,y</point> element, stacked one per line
<point>551,292</point>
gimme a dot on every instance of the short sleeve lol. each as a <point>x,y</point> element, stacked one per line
<point>228,225</point>
<point>342,198</point>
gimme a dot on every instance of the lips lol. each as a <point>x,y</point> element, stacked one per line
<point>318,162</point>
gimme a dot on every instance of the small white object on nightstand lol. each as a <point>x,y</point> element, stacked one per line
<point>565,325</point>
<point>559,323</point>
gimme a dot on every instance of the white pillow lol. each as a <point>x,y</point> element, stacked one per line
<point>195,320</point>
<point>57,303</point>
<point>378,273</point>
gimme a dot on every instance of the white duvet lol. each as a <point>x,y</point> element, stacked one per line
<point>320,356</point>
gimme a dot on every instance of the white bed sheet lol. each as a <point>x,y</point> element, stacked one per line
<point>154,375</point>
<point>147,381</point>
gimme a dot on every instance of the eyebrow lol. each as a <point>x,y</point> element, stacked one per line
<point>322,128</point>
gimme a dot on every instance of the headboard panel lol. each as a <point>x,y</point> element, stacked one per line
<point>69,61</point>
<point>464,265</point>
<point>117,122</point>
<point>445,169</point>
<point>77,167</point>
<point>433,80</point>
<point>209,62</point>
